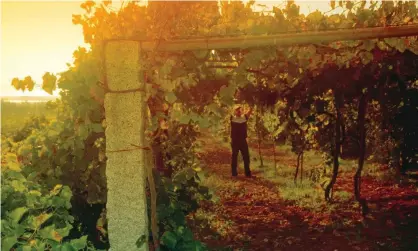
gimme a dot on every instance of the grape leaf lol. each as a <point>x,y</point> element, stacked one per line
<point>79,243</point>
<point>184,119</point>
<point>39,220</point>
<point>170,97</point>
<point>366,57</point>
<point>315,17</point>
<point>97,127</point>
<point>49,83</point>
<point>169,239</point>
<point>204,123</point>
<point>12,164</point>
<point>18,186</point>
<point>16,83</point>
<point>28,83</point>
<point>8,242</point>
<point>17,214</point>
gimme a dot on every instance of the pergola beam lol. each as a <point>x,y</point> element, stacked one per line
<point>288,39</point>
<point>125,111</point>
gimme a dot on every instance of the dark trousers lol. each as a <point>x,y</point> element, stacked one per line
<point>243,148</point>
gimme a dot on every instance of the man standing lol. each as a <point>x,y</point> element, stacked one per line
<point>239,140</point>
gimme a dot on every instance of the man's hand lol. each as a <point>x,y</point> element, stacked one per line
<point>250,112</point>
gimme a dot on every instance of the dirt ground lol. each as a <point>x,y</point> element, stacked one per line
<point>252,215</point>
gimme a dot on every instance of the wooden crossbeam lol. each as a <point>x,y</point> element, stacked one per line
<point>288,39</point>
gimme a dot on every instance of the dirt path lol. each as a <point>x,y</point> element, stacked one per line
<point>251,215</point>
<point>259,219</point>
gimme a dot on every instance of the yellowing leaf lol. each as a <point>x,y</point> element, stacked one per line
<point>315,17</point>
<point>28,83</point>
<point>18,186</point>
<point>32,243</point>
<point>49,83</point>
<point>56,189</point>
<point>16,83</point>
<point>40,219</point>
<point>12,163</point>
<point>35,192</point>
<point>56,236</point>
<point>49,232</point>
<point>407,19</point>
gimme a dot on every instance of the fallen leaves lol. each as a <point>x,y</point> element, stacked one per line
<point>262,220</point>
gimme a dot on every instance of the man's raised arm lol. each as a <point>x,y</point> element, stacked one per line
<point>248,114</point>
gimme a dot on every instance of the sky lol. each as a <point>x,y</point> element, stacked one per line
<point>39,37</point>
<point>36,37</point>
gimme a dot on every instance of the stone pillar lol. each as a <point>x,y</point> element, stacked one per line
<point>125,169</point>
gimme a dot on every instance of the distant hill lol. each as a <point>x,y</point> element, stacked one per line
<point>28,98</point>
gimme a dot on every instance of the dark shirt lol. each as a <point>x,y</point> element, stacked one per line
<point>239,128</point>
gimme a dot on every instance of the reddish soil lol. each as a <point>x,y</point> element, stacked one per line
<point>261,220</point>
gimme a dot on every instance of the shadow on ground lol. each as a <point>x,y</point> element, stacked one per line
<point>262,220</point>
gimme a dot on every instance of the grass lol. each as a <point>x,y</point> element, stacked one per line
<point>213,182</point>
<point>307,194</point>
<point>303,194</point>
<point>302,202</point>
<point>343,196</point>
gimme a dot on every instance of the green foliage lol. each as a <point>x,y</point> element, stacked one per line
<point>180,194</point>
<point>299,81</point>
<point>181,146</point>
<point>61,156</point>
<point>177,197</point>
<point>305,194</point>
<point>34,123</point>
<point>271,123</point>
<point>34,218</point>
